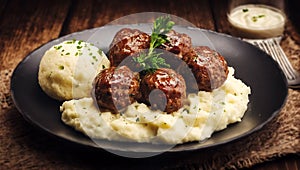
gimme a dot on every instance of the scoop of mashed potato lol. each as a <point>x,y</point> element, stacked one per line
<point>68,69</point>
<point>203,114</point>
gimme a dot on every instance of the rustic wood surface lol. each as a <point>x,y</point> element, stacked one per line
<point>26,25</point>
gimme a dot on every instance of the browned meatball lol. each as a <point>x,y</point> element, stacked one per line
<point>116,87</point>
<point>179,44</point>
<point>208,66</point>
<point>163,89</point>
<point>126,43</point>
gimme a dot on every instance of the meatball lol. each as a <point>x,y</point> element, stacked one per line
<point>116,87</point>
<point>163,89</point>
<point>208,66</point>
<point>179,44</point>
<point>126,43</point>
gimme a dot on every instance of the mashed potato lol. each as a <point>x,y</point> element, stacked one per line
<point>68,69</point>
<point>202,114</point>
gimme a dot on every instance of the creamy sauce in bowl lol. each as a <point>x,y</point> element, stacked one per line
<point>256,21</point>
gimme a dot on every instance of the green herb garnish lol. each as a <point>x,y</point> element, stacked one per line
<point>245,10</point>
<point>161,27</point>
<point>151,60</point>
<point>95,58</point>
<point>61,67</point>
<point>57,47</point>
<point>99,52</point>
<point>255,18</point>
<point>71,41</point>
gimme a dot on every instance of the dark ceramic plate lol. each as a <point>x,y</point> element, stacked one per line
<point>252,66</point>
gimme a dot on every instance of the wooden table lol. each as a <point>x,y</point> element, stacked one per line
<point>25,25</point>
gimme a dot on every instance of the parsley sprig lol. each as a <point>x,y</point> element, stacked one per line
<point>161,27</point>
<point>151,60</point>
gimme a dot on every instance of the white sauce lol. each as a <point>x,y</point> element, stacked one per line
<point>256,21</point>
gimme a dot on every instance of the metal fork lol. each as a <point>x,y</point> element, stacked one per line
<point>273,48</point>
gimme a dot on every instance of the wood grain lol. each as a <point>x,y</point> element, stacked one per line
<point>25,26</point>
<point>93,13</point>
<point>290,162</point>
<point>219,10</point>
<point>2,7</point>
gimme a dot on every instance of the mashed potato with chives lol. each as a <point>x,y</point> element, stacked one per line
<point>68,69</point>
<point>202,114</point>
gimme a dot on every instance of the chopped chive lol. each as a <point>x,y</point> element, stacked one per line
<point>69,42</point>
<point>99,52</point>
<point>50,74</point>
<point>254,18</point>
<point>245,10</point>
<point>187,111</point>
<point>57,47</point>
<point>95,58</point>
<point>61,67</point>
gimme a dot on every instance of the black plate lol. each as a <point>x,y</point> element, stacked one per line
<point>252,66</point>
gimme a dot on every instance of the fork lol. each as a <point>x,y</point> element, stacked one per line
<point>273,48</point>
